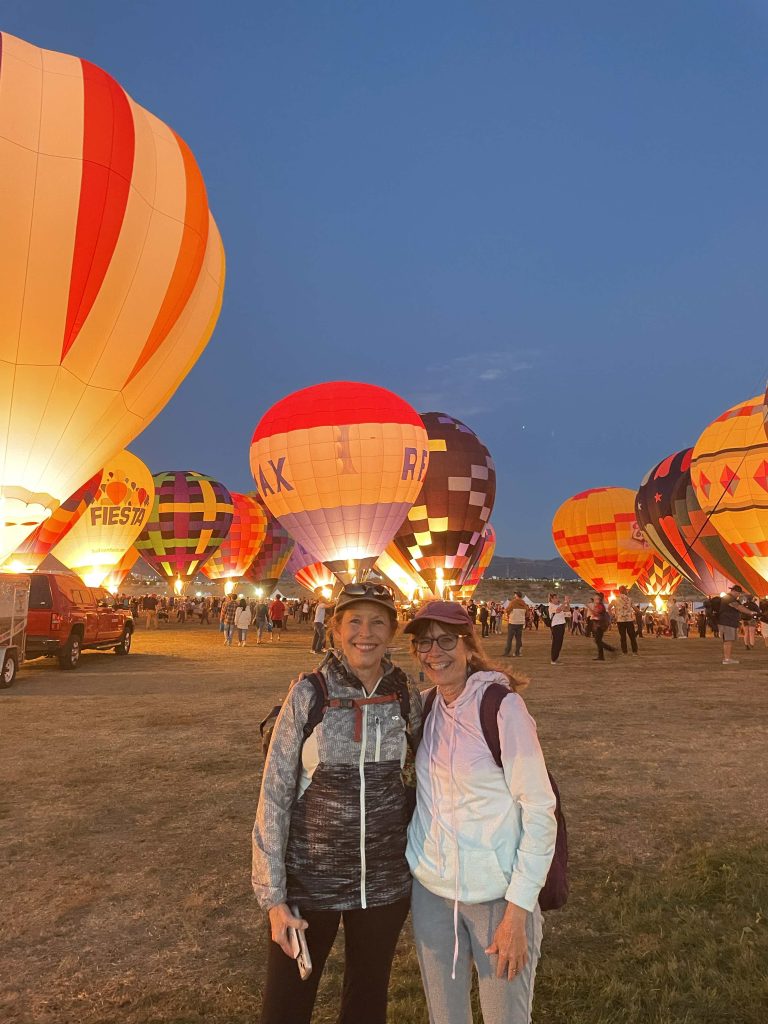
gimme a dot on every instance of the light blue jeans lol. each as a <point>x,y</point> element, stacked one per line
<point>502,1001</point>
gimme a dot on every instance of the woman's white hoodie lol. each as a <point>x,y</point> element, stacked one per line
<point>480,833</point>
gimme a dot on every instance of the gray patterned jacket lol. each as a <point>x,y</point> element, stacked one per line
<point>330,828</point>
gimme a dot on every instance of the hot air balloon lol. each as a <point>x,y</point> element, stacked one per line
<point>661,509</point>
<point>398,570</point>
<point>98,540</point>
<point>115,579</point>
<point>339,465</point>
<point>729,472</point>
<point>272,557</point>
<point>477,571</point>
<point>308,572</point>
<point>240,546</point>
<point>44,539</point>
<point>190,518</point>
<point>452,509</point>
<point>111,275</point>
<point>658,579</point>
<point>597,534</point>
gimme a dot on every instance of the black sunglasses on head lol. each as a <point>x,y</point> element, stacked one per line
<point>366,590</point>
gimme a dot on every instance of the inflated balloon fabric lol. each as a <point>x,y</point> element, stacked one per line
<point>111,275</point>
<point>597,534</point>
<point>95,545</point>
<point>242,543</point>
<point>659,578</point>
<point>729,471</point>
<point>339,465</point>
<point>446,522</point>
<point>190,517</point>
<point>477,571</point>
<point>272,557</point>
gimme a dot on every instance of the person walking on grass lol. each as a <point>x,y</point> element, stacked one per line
<point>600,621</point>
<point>228,613</point>
<point>516,612</point>
<point>277,616</point>
<point>625,620</point>
<point>557,610</point>
<point>243,620</point>
<point>728,618</point>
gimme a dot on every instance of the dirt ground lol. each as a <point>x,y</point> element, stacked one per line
<point>128,789</point>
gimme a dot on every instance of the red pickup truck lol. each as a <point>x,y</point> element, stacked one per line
<point>66,618</point>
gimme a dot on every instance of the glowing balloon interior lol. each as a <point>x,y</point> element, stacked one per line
<point>597,534</point>
<point>190,517</point>
<point>111,275</point>
<point>444,527</point>
<point>242,543</point>
<point>97,542</point>
<point>339,465</point>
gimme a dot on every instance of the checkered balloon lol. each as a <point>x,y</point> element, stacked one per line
<point>241,544</point>
<point>272,557</point>
<point>190,518</point>
<point>444,527</point>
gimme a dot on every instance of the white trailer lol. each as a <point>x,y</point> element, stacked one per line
<point>14,608</point>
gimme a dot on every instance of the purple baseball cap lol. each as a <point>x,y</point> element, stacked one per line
<point>442,611</point>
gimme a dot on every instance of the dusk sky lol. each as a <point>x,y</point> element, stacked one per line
<point>548,220</point>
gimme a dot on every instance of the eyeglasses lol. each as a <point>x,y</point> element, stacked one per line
<point>367,590</point>
<point>446,642</point>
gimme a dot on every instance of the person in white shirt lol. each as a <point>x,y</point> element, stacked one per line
<point>557,612</point>
<point>482,837</point>
<point>243,619</point>
<point>318,640</point>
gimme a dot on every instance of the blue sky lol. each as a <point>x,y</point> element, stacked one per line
<point>548,220</point>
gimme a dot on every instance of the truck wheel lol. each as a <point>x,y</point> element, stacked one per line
<point>10,668</point>
<point>124,647</point>
<point>70,654</point>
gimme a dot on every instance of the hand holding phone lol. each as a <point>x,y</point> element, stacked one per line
<point>299,948</point>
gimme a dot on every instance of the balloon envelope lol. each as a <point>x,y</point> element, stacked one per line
<point>308,572</point>
<point>658,578</point>
<point>729,471</point>
<point>597,534</point>
<point>115,579</point>
<point>190,517</point>
<point>454,505</point>
<point>44,539</point>
<point>111,275</point>
<point>392,564</point>
<point>240,546</point>
<point>477,571</point>
<point>664,517</point>
<point>101,536</point>
<point>272,557</point>
<point>339,465</point>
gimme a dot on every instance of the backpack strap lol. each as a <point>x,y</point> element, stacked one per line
<point>319,703</point>
<point>429,700</point>
<point>490,705</point>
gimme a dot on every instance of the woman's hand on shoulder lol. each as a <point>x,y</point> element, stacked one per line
<point>510,943</point>
<point>280,920</point>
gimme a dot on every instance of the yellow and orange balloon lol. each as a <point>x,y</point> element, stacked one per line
<point>111,275</point>
<point>597,535</point>
<point>97,543</point>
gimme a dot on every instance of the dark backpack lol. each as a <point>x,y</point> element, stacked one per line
<point>554,894</point>
<point>322,701</point>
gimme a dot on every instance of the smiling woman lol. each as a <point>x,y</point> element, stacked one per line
<point>483,835</point>
<point>330,831</point>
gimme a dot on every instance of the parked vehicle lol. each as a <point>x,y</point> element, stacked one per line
<point>66,618</point>
<point>14,600</point>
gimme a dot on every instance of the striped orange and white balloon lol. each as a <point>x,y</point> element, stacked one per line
<point>111,275</point>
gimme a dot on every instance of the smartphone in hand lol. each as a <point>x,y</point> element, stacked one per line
<point>299,948</point>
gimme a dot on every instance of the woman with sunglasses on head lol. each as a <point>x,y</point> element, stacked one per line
<point>482,838</point>
<point>330,831</point>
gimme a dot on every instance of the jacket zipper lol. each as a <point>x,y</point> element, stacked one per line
<point>377,756</point>
<point>363,744</point>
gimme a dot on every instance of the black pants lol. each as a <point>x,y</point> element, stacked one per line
<point>515,633</point>
<point>558,632</point>
<point>627,629</point>
<point>370,937</point>
<point>598,632</point>
<point>484,624</point>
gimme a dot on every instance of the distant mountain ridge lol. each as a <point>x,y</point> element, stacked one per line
<point>507,567</point>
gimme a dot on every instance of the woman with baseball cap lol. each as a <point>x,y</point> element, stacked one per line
<point>482,838</point>
<point>330,832</point>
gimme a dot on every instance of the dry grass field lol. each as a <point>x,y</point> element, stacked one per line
<point>128,790</point>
